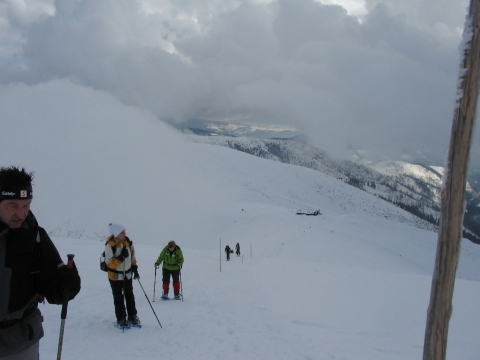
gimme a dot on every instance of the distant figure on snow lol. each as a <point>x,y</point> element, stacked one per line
<point>172,258</point>
<point>237,249</point>
<point>228,251</point>
<point>122,266</point>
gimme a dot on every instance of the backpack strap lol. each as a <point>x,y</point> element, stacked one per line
<point>112,246</point>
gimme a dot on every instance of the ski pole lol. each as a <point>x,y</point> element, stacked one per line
<point>181,285</point>
<point>149,302</point>
<point>154,283</point>
<point>123,302</point>
<point>64,310</point>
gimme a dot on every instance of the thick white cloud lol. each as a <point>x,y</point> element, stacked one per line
<point>426,13</point>
<point>384,82</point>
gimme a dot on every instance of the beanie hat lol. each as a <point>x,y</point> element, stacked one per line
<point>115,229</point>
<point>15,184</point>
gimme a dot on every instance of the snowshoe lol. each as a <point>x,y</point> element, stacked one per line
<point>134,321</point>
<point>121,324</point>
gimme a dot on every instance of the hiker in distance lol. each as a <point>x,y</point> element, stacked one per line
<point>122,266</point>
<point>31,269</point>
<point>228,251</point>
<point>172,258</point>
<point>237,249</point>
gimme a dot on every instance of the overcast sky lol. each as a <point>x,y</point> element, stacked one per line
<point>375,75</point>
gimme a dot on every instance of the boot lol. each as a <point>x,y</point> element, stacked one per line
<point>134,320</point>
<point>122,323</point>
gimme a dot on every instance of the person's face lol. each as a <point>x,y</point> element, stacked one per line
<point>14,212</point>
<point>121,236</point>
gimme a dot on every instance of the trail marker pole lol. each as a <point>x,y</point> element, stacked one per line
<point>453,193</point>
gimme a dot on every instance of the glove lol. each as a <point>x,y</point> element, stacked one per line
<point>123,255</point>
<point>156,265</point>
<point>136,276</point>
<point>69,278</point>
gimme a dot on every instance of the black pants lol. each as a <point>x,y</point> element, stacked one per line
<point>117,291</point>
<point>166,275</point>
<point>166,280</point>
<point>228,254</point>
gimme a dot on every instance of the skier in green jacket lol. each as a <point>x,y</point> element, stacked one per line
<point>172,258</point>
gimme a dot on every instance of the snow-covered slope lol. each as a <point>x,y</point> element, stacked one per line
<point>352,283</point>
<point>396,168</point>
<point>413,187</point>
<point>130,168</point>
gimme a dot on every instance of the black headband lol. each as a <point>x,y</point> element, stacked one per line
<point>16,193</point>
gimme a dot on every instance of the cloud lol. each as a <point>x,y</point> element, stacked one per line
<point>89,151</point>
<point>426,13</point>
<point>384,82</point>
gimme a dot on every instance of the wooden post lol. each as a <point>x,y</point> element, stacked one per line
<point>453,194</point>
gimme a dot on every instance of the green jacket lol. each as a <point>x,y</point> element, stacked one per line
<point>171,259</point>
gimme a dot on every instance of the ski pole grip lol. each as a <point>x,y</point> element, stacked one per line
<point>70,261</point>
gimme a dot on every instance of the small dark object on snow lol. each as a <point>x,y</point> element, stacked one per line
<point>309,212</point>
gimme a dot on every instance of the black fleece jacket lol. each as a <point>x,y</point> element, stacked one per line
<point>30,269</point>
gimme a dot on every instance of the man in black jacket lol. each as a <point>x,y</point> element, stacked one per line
<point>31,269</point>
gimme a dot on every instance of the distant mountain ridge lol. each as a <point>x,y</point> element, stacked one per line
<point>219,128</point>
<point>412,187</point>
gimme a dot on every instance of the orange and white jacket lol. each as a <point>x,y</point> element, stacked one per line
<point>115,266</point>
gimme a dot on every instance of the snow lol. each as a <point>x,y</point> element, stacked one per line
<point>352,283</point>
<point>431,174</point>
<point>282,302</point>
